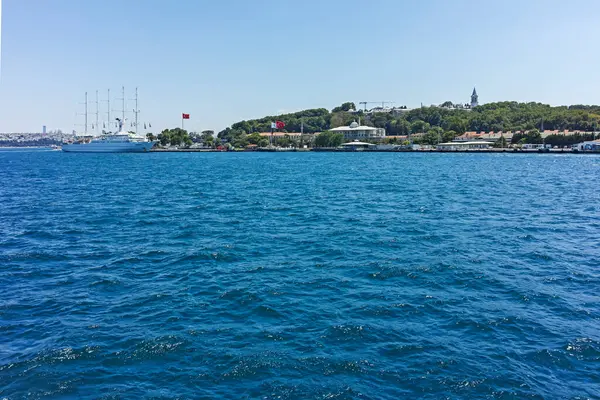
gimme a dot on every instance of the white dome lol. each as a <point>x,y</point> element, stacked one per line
<point>353,124</point>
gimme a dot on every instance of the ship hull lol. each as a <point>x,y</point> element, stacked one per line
<point>127,147</point>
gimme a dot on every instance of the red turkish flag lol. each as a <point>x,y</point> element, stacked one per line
<point>185,116</point>
<point>279,124</point>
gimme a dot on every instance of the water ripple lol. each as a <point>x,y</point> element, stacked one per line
<point>299,276</point>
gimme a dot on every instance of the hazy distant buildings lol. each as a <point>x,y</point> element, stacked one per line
<point>33,139</point>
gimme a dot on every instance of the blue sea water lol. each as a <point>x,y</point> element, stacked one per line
<point>299,276</point>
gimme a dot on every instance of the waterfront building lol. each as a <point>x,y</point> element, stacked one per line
<point>397,138</point>
<point>304,137</point>
<point>495,136</point>
<point>531,147</point>
<point>357,132</point>
<point>565,132</point>
<point>468,136</point>
<point>292,135</point>
<point>592,145</point>
<point>485,136</point>
<point>475,145</point>
<point>508,135</point>
<point>358,146</point>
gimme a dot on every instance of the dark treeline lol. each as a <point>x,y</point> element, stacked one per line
<point>501,116</point>
<point>181,137</point>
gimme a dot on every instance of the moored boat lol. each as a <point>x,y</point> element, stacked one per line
<point>122,142</point>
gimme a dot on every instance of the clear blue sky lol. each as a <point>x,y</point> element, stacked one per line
<point>228,60</point>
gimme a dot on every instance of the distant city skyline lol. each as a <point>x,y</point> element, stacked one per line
<point>223,62</point>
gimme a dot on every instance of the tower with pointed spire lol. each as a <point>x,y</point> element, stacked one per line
<point>474,99</point>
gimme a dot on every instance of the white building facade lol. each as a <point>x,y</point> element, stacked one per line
<point>592,145</point>
<point>359,132</point>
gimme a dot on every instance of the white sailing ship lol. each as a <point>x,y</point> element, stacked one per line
<point>121,142</point>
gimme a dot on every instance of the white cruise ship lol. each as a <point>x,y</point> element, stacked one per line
<point>122,142</point>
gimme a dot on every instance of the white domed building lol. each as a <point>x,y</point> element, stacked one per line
<point>359,132</point>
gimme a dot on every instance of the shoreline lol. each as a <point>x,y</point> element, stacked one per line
<point>326,150</point>
<point>335,150</point>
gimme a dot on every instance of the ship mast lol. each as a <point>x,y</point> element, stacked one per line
<point>108,100</point>
<point>86,114</point>
<point>136,111</point>
<point>97,112</point>
<point>123,99</point>
<point>121,124</point>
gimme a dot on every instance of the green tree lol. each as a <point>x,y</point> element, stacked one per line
<point>336,139</point>
<point>207,135</point>
<point>195,137</point>
<point>240,141</point>
<point>243,126</point>
<point>403,127</point>
<point>284,141</point>
<point>531,136</point>
<point>345,107</point>
<point>419,126</point>
<point>174,137</point>
<point>229,134</point>
<point>457,123</point>
<point>448,136</point>
<point>164,137</point>
<point>322,139</point>
<point>380,120</point>
<point>501,143</point>
<point>505,116</point>
<point>329,139</point>
<point>534,136</point>
<point>254,138</point>
<point>433,136</point>
<point>340,119</point>
<point>264,142</point>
